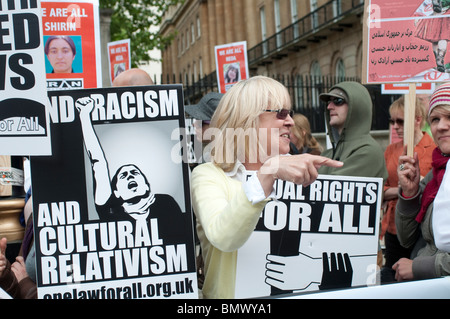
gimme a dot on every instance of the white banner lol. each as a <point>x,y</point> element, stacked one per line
<point>24,123</point>
<point>324,236</point>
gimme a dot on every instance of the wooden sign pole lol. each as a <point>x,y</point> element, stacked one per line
<point>410,115</point>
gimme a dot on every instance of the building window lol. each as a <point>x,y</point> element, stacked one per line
<point>182,43</point>
<point>187,39</point>
<point>316,77</point>
<point>298,93</point>
<point>195,71</point>
<point>188,75</point>
<point>294,17</point>
<point>315,69</point>
<point>276,10</point>
<point>337,9</point>
<point>262,16</point>
<point>340,70</point>
<point>199,28</point>
<point>192,33</point>
<point>314,15</point>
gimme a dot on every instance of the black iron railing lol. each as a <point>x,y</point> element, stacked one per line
<point>304,91</point>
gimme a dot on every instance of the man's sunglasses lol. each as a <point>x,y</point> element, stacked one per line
<point>337,101</point>
<point>282,113</point>
<point>398,121</point>
<point>200,123</point>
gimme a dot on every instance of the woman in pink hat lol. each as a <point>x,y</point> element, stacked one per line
<point>423,208</point>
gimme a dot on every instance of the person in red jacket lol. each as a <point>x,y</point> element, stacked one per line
<point>423,145</point>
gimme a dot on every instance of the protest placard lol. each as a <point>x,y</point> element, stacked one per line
<point>406,41</point>
<point>112,212</point>
<point>119,57</point>
<point>403,88</point>
<point>231,64</point>
<point>324,236</point>
<point>24,125</point>
<point>72,44</point>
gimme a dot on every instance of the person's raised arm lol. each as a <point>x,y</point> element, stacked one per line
<point>102,185</point>
<point>408,173</point>
<point>299,169</point>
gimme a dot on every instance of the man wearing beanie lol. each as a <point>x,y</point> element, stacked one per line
<point>205,108</point>
<point>349,119</point>
<point>202,114</point>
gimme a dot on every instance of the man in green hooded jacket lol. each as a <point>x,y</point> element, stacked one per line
<point>349,119</point>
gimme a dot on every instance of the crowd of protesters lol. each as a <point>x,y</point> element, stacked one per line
<point>227,205</point>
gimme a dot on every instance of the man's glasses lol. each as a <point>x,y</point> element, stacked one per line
<point>282,113</point>
<point>398,121</point>
<point>337,101</point>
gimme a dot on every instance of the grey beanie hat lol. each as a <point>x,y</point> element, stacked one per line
<point>205,108</point>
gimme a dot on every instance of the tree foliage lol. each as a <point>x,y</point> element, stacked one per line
<point>135,20</point>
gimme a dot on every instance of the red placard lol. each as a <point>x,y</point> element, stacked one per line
<point>231,64</point>
<point>71,34</point>
<point>403,88</point>
<point>119,57</point>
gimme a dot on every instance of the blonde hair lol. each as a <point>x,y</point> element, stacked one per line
<point>302,130</point>
<point>445,107</point>
<point>236,119</point>
<point>420,109</point>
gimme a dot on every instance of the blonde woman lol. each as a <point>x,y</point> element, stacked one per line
<point>251,130</point>
<point>423,146</point>
<point>301,137</point>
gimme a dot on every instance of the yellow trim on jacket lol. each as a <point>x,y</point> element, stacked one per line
<point>225,220</point>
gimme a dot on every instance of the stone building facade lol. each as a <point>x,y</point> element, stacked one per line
<point>288,37</point>
<point>308,44</point>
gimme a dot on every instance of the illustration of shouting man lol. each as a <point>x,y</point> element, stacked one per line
<point>128,194</point>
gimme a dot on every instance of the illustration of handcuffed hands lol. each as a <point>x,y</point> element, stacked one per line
<point>339,275</point>
<point>288,273</point>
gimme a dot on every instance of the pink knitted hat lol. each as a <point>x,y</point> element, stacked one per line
<point>440,96</point>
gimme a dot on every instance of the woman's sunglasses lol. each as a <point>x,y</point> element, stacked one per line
<point>282,113</point>
<point>398,121</point>
<point>337,101</point>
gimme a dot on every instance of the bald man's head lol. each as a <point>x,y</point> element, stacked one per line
<point>132,77</point>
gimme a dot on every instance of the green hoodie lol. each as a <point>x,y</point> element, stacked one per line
<point>361,154</point>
